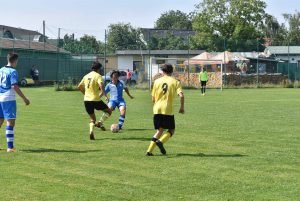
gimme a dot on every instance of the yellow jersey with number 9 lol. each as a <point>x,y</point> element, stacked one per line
<point>91,84</point>
<point>165,89</point>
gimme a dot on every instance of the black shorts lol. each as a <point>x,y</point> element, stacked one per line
<point>90,106</point>
<point>164,121</point>
<point>203,83</point>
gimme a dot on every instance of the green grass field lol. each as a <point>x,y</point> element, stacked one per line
<point>230,145</point>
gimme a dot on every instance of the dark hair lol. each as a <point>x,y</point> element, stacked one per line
<point>167,68</point>
<point>96,66</point>
<point>12,57</point>
<point>115,72</point>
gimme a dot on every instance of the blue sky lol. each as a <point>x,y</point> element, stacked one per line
<point>93,16</point>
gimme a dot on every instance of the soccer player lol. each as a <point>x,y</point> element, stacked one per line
<point>115,88</point>
<point>203,78</point>
<point>92,88</point>
<point>8,89</point>
<point>164,91</point>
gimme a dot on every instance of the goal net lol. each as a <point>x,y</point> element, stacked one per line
<point>187,71</point>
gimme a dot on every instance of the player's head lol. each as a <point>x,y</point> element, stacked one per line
<point>167,69</point>
<point>96,66</point>
<point>115,74</point>
<point>12,59</point>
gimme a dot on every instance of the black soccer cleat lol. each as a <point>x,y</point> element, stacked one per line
<point>92,137</point>
<point>100,125</point>
<point>149,154</point>
<point>161,147</point>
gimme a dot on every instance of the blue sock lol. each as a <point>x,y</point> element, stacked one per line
<point>121,120</point>
<point>10,136</point>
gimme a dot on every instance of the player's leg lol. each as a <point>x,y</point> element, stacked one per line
<point>154,139</point>
<point>122,108</point>
<point>10,135</point>
<point>168,122</point>
<point>107,110</point>
<point>90,107</point>
<point>9,111</point>
<point>106,114</point>
<point>204,89</point>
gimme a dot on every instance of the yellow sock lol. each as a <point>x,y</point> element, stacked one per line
<point>165,137</point>
<point>92,125</point>
<point>151,146</point>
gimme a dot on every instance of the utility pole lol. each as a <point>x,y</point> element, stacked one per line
<point>57,54</point>
<point>105,46</point>
<point>44,34</point>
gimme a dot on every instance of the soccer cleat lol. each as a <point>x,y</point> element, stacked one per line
<point>11,150</point>
<point>149,154</point>
<point>92,137</point>
<point>161,147</point>
<point>100,125</point>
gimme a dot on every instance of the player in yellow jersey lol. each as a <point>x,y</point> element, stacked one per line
<point>92,87</point>
<point>164,91</point>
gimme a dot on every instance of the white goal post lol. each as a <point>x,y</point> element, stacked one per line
<point>156,62</point>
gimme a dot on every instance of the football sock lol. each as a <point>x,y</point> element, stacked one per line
<point>152,145</point>
<point>10,137</point>
<point>121,120</point>
<point>104,117</point>
<point>165,137</point>
<point>92,125</point>
<point>202,90</point>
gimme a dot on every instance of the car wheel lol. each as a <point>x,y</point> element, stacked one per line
<point>133,82</point>
<point>23,82</point>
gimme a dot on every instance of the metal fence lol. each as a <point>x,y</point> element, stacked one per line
<point>248,61</point>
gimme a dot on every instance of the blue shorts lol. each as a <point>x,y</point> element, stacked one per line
<point>8,110</point>
<point>115,103</point>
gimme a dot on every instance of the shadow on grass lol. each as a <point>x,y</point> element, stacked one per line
<point>138,129</point>
<point>125,139</point>
<point>210,155</point>
<point>42,150</point>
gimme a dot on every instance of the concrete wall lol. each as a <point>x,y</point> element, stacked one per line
<point>125,62</point>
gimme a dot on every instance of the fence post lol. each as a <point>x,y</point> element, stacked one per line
<point>257,71</point>
<point>289,60</point>
<point>188,59</point>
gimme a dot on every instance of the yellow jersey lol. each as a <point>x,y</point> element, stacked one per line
<point>91,84</point>
<point>165,89</point>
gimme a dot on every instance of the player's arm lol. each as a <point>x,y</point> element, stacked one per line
<point>127,92</point>
<point>81,86</point>
<point>14,85</point>
<point>102,90</point>
<point>181,110</point>
<point>20,93</point>
<point>181,95</point>
<point>153,92</point>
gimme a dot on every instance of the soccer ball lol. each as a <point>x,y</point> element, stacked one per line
<point>114,128</point>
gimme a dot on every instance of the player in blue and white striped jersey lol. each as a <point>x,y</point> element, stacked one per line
<point>8,89</point>
<point>115,88</point>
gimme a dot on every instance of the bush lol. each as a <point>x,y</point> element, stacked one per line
<point>65,86</point>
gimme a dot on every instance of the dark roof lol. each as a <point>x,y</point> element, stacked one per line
<point>18,30</point>
<point>23,44</point>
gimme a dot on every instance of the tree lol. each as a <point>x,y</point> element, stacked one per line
<point>85,45</point>
<point>275,33</point>
<point>232,20</point>
<point>174,20</point>
<point>123,37</point>
<point>293,21</point>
